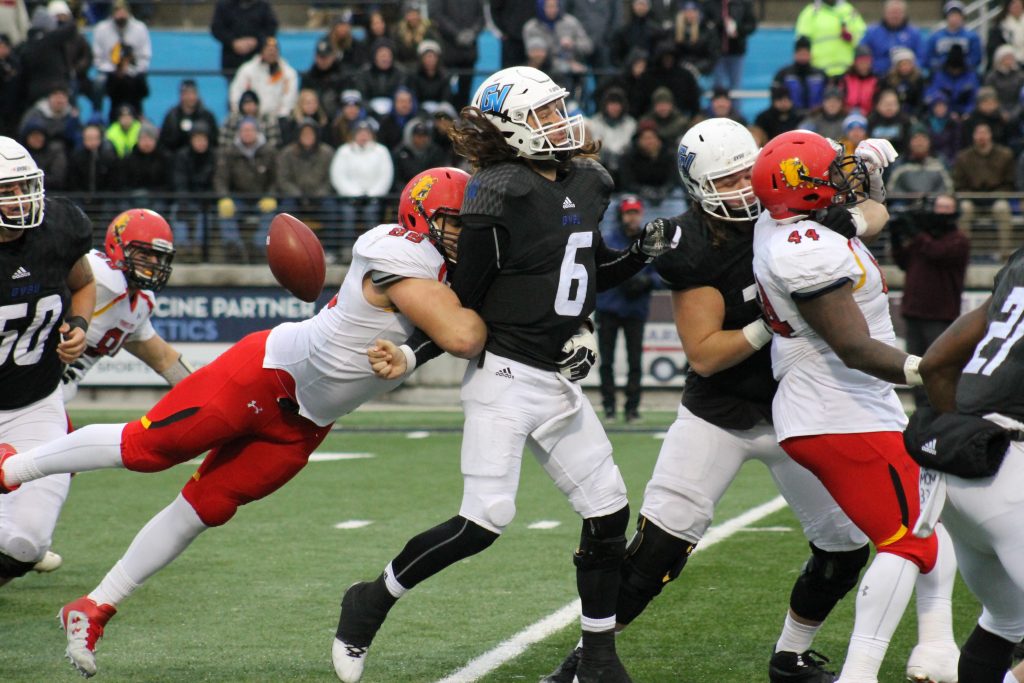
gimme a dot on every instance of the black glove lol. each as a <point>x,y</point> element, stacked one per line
<point>73,372</point>
<point>837,218</point>
<point>657,237</point>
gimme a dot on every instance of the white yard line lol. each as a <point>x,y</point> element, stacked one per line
<point>517,644</point>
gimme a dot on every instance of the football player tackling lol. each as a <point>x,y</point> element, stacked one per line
<point>267,402</point>
<point>835,411</point>
<point>44,314</point>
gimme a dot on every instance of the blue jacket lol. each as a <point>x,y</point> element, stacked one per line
<point>960,91</point>
<point>882,39</point>
<point>632,298</point>
<point>938,45</point>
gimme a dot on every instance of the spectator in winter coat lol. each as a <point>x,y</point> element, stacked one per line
<point>1007,79</point>
<point>834,28</point>
<point>459,22</point>
<point>734,20</point>
<point>667,119</point>
<point>416,153</point>
<point>986,167</point>
<point>954,33</point>
<point>827,120</point>
<point>635,80</point>
<point>362,173</point>
<point>887,120</point>
<point>779,117</point>
<point>94,166</point>
<point>567,41</point>
<point>666,72</point>
<point>860,83</point>
<point>1007,29</point>
<point>249,107</point>
<point>121,53</point>
<point>182,118</point>
<point>56,113</point>
<point>271,78</point>
<point>430,83</point>
<point>806,83</point>
<point>918,172</point>
<point>327,77</point>
<point>10,89</point>
<point>303,182</point>
<point>123,133</point>
<point>942,127</point>
<point>241,27</point>
<point>649,167</point>
<point>307,108</point>
<point>379,79</point>
<point>411,30</point>
<point>600,19</point>
<point>246,169</point>
<point>392,124</point>
<point>344,123</point>
<point>614,128</point>
<point>509,17</point>
<point>907,80</point>
<point>697,40</point>
<point>42,56</point>
<point>351,52</point>
<point>958,83</point>
<point>194,166</point>
<point>48,155</point>
<point>987,111</point>
<point>892,32</point>
<point>147,171</point>
<point>641,31</point>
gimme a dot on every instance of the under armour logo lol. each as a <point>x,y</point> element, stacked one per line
<point>864,591</point>
<point>255,408</point>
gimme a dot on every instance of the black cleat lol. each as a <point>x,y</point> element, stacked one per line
<point>805,667</point>
<point>598,661</point>
<point>566,671</point>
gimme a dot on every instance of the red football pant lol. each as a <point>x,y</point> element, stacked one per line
<point>231,408</point>
<point>874,480</point>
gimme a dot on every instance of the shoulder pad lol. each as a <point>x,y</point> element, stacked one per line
<point>64,218</point>
<point>800,261</point>
<point>585,163</point>
<point>388,249</point>
<point>110,282</point>
<point>490,189</point>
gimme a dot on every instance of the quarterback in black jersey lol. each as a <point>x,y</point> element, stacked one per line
<point>45,308</point>
<point>974,371</point>
<point>531,259</point>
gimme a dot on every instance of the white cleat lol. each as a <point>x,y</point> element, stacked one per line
<point>933,663</point>
<point>83,621</point>
<point>349,661</point>
<point>51,562</point>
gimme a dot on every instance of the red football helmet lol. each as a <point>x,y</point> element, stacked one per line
<point>140,243</point>
<point>431,202</point>
<point>800,171</point>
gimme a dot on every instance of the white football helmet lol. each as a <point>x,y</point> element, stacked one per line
<point>713,149</point>
<point>510,99</point>
<point>21,187</point>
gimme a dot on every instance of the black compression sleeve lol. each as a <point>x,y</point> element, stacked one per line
<point>423,347</point>
<point>482,244</point>
<point>615,267</point>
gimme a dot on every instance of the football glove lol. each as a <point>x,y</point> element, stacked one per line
<point>267,204</point>
<point>73,372</point>
<point>877,153</point>
<point>848,221</point>
<point>657,237</point>
<point>226,207</point>
<point>579,353</point>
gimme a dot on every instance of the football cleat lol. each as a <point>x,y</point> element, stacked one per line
<point>349,660</point>
<point>358,623</point>
<point>566,671</point>
<point>6,451</point>
<point>51,562</point>
<point>933,663</point>
<point>83,621</point>
<point>802,667</point>
<point>599,662</point>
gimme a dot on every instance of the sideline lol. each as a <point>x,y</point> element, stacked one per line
<point>517,644</point>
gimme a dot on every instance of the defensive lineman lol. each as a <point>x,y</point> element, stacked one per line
<point>44,314</point>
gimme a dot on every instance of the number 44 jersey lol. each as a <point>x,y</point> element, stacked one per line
<point>34,300</point>
<point>817,393</point>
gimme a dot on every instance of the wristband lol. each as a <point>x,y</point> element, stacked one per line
<point>410,358</point>
<point>179,370</point>
<point>859,222</point>
<point>757,333</point>
<point>77,321</point>
<point>911,372</point>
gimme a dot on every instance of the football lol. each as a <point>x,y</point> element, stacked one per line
<point>296,257</point>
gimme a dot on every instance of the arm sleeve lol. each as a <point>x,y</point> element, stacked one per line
<point>614,266</point>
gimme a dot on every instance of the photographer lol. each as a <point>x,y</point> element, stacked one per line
<point>122,51</point>
<point>933,252</point>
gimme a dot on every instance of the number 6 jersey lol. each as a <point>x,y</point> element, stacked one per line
<point>34,300</point>
<point>817,393</point>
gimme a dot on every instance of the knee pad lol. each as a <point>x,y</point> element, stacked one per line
<point>11,568</point>
<point>653,559</point>
<point>214,508</point>
<point>492,511</point>
<point>825,580</point>
<point>602,541</point>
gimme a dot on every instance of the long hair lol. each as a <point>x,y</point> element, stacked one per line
<point>475,138</point>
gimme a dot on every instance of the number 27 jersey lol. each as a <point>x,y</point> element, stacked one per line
<point>817,393</point>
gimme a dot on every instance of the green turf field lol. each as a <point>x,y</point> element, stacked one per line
<point>257,600</point>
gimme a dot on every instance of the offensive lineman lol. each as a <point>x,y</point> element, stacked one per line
<point>267,402</point>
<point>44,315</point>
<point>531,260</point>
<point>974,370</point>
<point>835,410</point>
<point>135,264</point>
<point>725,416</point>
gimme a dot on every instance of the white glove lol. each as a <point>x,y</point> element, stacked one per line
<point>877,153</point>
<point>658,236</point>
<point>579,353</point>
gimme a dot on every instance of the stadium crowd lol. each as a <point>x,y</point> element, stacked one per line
<point>330,138</point>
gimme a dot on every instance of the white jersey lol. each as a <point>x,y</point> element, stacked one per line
<point>817,393</point>
<point>326,354</point>
<point>117,318</point>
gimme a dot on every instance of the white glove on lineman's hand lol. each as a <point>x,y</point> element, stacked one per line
<point>579,353</point>
<point>877,153</point>
<point>658,236</point>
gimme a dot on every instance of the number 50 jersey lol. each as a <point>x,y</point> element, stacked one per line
<point>817,393</point>
<point>34,299</point>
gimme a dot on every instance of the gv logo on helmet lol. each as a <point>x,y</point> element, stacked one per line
<point>493,97</point>
<point>685,159</point>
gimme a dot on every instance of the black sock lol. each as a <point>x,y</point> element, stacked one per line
<point>985,657</point>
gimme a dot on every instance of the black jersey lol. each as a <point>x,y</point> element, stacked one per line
<point>548,269</point>
<point>35,301</point>
<point>740,396</point>
<point>992,379</point>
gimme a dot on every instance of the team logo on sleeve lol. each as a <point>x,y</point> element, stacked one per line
<point>795,173</point>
